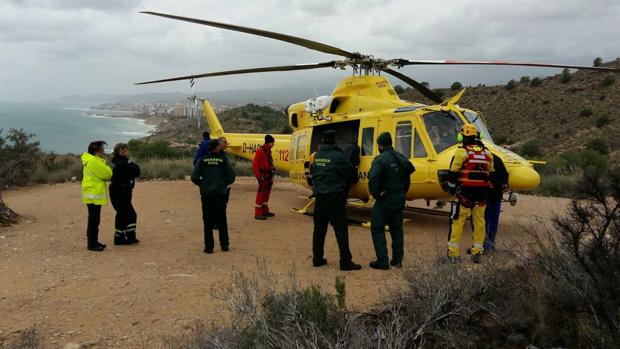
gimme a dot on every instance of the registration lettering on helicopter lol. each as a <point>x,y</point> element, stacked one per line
<point>250,148</point>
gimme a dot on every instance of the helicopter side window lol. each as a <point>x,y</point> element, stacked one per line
<point>301,147</point>
<point>418,148</point>
<point>403,138</point>
<point>367,140</point>
<point>442,128</point>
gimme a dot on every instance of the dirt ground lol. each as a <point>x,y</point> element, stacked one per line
<point>131,295</point>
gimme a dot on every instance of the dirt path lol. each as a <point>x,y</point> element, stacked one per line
<point>130,295</point>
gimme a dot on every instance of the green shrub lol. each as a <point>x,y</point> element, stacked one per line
<point>530,149</point>
<point>597,62</point>
<point>565,76</point>
<point>608,80</point>
<point>52,168</point>
<point>18,156</point>
<point>602,121</point>
<point>172,169</point>
<point>599,145</point>
<point>557,185</point>
<point>157,150</point>
<point>524,80</point>
<point>577,161</point>
<point>399,89</point>
<point>456,86</point>
<point>511,85</point>
<point>536,82</point>
<point>586,113</point>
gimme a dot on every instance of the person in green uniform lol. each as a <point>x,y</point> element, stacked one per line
<point>388,182</point>
<point>330,173</point>
<point>214,173</point>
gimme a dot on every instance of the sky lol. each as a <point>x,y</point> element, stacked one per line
<point>53,48</point>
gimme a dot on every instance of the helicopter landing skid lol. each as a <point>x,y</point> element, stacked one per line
<point>304,210</point>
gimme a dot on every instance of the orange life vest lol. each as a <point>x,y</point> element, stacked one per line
<point>475,169</point>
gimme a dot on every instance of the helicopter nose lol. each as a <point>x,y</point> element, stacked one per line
<point>523,178</point>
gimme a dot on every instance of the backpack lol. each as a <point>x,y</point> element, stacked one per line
<point>403,163</point>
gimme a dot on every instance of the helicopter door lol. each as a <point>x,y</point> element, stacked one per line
<point>368,149</point>
<point>421,161</point>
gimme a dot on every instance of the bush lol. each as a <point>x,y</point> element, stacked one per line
<point>511,85</point>
<point>586,113</point>
<point>172,169</point>
<point>597,62</point>
<point>599,145</point>
<point>18,156</point>
<point>557,185</point>
<point>524,80</point>
<point>439,92</point>
<point>608,80</point>
<point>456,86</point>
<point>578,161</point>
<point>536,82</point>
<point>602,121</point>
<point>52,168</point>
<point>565,76</point>
<point>399,89</point>
<point>157,150</point>
<point>530,149</point>
<point>425,84</point>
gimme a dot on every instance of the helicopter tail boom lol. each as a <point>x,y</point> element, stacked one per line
<point>245,145</point>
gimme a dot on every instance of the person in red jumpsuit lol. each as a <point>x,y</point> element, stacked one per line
<point>264,172</point>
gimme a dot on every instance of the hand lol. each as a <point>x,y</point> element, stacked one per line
<point>451,188</point>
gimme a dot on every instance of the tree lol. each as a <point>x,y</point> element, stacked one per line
<point>565,77</point>
<point>18,156</point>
<point>456,86</point>
<point>524,80</point>
<point>597,62</point>
<point>425,84</point>
<point>511,85</point>
<point>399,89</point>
<point>536,82</point>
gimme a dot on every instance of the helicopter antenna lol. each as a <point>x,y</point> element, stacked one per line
<point>193,115</point>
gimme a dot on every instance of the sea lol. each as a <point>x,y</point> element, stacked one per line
<point>68,129</point>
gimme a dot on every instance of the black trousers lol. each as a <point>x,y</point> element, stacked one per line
<point>393,218</point>
<point>94,218</point>
<point>214,213</point>
<point>330,209</point>
<point>126,217</point>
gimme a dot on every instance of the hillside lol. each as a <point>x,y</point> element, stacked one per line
<point>558,115</point>
<point>250,118</point>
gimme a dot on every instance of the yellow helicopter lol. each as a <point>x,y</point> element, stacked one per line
<point>360,108</point>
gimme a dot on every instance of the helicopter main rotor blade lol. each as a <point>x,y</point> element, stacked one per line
<point>313,45</point>
<point>247,71</point>
<point>403,62</point>
<point>418,86</point>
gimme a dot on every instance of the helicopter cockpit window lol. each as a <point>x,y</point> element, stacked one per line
<point>442,128</point>
<point>479,123</point>
<point>403,138</point>
<point>367,141</point>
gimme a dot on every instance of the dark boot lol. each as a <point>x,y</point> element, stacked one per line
<point>396,263</point>
<point>131,237</point>
<point>347,266</point>
<point>120,239</point>
<point>379,266</point>
<point>319,263</point>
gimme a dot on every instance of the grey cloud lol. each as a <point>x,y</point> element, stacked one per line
<point>64,47</point>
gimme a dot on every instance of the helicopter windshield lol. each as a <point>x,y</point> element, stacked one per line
<point>479,123</point>
<point>442,128</point>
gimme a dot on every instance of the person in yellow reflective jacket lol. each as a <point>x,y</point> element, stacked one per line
<point>94,190</point>
<point>469,180</point>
